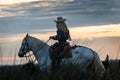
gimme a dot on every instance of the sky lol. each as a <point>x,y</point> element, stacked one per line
<point>96,21</point>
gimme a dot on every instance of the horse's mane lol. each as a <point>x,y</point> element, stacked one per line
<point>39,42</point>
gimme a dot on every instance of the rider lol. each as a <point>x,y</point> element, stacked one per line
<point>62,35</point>
<point>62,31</point>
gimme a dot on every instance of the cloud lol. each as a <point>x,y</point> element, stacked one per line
<point>25,17</point>
<point>65,7</point>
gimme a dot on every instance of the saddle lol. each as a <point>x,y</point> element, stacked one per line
<point>59,51</point>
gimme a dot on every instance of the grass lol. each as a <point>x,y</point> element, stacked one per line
<point>30,71</point>
<point>114,70</point>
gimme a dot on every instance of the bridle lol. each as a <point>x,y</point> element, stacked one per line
<point>28,57</point>
<point>26,44</point>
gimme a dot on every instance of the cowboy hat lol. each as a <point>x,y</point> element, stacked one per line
<point>60,19</point>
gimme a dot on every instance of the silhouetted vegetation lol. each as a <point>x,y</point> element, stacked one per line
<point>30,71</point>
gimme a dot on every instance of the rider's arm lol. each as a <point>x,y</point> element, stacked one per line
<point>58,36</point>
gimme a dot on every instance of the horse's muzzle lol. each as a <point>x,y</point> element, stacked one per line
<point>20,55</point>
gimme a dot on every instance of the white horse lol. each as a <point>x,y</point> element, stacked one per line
<point>80,55</point>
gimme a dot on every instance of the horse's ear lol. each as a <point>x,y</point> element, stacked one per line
<point>27,35</point>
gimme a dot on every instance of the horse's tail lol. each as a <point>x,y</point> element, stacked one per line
<point>98,66</point>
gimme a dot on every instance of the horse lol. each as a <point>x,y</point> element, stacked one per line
<point>81,55</point>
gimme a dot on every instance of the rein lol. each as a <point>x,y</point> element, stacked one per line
<point>42,46</point>
<point>33,61</point>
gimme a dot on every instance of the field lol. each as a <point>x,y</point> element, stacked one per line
<point>69,72</point>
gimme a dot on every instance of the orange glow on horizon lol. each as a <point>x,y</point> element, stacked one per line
<point>96,31</point>
<point>75,32</point>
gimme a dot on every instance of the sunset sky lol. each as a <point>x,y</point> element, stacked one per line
<point>94,21</point>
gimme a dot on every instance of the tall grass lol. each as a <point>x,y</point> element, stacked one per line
<point>31,71</point>
<point>1,58</point>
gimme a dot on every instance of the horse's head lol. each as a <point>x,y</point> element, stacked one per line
<point>24,47</point>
